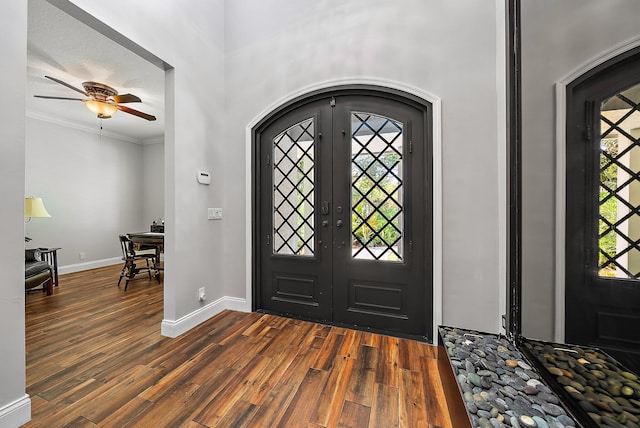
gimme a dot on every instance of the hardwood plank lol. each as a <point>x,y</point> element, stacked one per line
<point>272,375</point>
<point>351,344</point>
<point>215,409</point>
<point>385,412</point>
<point>327,411</point>
<point>363,377</point>
<point>81,422</point>
<point>388,369</point>
<point>320,330</point>
<point>300,365</point>
<point>116,393</point>
<point>241,323</point>
<point>74,394</point>
<point>259,328</point>
<point>127,414</point>
<point>435,400</point>
<point>409,354</point>
<point>274,406</point>
<point>354,415</point>
<point>239,415</point>
<point>413,410</point>
<point>302,405</point>
<point>297,337</point>
<point>155,392</point>
<point>371,339</point>
<point>95,357</point>
<point>328,352</point>
<point>171,407</point>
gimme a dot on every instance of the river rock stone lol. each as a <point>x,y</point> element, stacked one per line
<point>527,421</point>
<point>474,379</point>
<point>484,414</point>
<point>540,423</point>
<point>552,409</point>
<point>549,398</point>
<point>566,421</point>
<point>554,371</point>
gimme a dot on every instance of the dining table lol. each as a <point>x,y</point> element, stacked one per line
<point>148,240</point>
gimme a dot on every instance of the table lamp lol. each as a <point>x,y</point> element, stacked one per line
<point>33,207</point>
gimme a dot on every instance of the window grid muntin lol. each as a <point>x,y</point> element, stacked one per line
<point>617,213</point>
<point>293,193</point>
<point>364,157</point>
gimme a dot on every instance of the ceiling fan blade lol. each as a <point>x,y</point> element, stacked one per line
<point>58,98</point>
<point>135,112</point>
<point>126,98</point>
<point>66,84</point>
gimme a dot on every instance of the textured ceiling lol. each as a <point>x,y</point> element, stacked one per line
<point>62,47</point>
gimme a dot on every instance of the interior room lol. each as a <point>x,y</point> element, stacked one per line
<point>97,177</point>
<point>220,75</point>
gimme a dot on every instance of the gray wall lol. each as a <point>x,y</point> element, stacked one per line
<point>13,42</point>
<point>445,48</point>
<point>94,187</point>
<point>152,183</point>
<point>191,40</point>
<point>189,37</point>
<point>558,37</point>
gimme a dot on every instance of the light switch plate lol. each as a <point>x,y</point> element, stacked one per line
<point>214,213</point>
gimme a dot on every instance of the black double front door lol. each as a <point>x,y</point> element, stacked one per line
<point>344,213</point>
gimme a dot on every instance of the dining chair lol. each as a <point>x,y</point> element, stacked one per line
<point>131,257</point>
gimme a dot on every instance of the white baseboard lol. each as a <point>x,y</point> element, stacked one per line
<point>17,413</point>
<point>78,267</point>
<point>170,328</point>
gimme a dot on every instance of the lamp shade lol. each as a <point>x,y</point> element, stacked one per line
<point>101,109</point>
<point>33,207</point>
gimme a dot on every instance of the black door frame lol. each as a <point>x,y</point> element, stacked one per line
<point>341,90</point>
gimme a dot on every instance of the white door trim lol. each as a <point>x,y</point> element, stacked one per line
<point>437,176</point>
<point>561,175</point>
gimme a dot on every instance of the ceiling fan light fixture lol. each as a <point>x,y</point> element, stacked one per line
<point>101,109</point>
<point>103,100</point>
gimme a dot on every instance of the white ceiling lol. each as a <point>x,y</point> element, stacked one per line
<point>60,46</point>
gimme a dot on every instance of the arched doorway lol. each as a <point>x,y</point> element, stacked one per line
<point>343,211</point>
<point>603,209</point>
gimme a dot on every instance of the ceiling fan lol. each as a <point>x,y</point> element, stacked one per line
<point>102,100</point>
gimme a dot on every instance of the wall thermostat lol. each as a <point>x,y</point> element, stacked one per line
<point>204,177</point>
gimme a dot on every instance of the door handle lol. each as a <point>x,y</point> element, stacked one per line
<point>339,223</point>
<point>325,223</point>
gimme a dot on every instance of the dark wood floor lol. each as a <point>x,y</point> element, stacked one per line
<point>95,357</point>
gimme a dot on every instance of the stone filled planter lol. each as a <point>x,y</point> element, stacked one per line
<point>599,390</point>
<point>496,384</point>
<point>538,384</point>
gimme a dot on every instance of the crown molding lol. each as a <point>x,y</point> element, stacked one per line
<point>74,125</point>
<point>153,140</point>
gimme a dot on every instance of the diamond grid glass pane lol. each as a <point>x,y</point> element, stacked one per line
<point>376,188</point>
<point>293,190</point>
<point>619,211</point>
